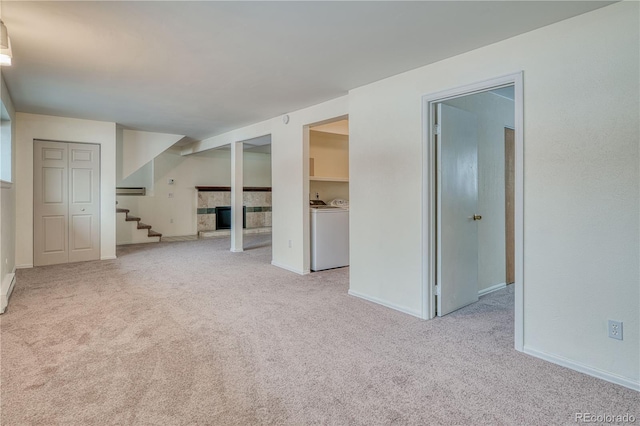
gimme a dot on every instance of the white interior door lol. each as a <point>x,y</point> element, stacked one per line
<point>66,192</point>
<point>50,203</point>
<point>457,240</point>
<point>84,202</point>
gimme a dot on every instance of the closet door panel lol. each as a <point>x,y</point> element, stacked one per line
<point>50,203</point>
<point>84,202</point>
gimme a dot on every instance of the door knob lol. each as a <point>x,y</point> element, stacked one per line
<point>477,217</point>
<point>81,210</point>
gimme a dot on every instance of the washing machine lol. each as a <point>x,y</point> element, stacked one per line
<point>329,237</point>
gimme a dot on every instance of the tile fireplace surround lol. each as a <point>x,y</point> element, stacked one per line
<point>257,200</point>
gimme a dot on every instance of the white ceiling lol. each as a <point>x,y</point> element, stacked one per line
<point>203,68</point>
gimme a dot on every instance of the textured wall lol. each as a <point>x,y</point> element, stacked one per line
<point>581,183</point>
<point>33,126</point>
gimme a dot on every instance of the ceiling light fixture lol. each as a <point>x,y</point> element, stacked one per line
<point>4,36</point>
<point>5,45</point>
<point>5,55</point>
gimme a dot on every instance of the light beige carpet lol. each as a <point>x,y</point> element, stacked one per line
<point>188,333</point>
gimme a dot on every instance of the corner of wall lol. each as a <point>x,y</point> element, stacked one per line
<point>8,283</point>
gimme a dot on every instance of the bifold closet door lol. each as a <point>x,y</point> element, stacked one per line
<point>84,202</point>
<point>66,192</point>
<point>50,203</point>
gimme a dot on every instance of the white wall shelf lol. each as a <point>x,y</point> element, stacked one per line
<point>328,179</point>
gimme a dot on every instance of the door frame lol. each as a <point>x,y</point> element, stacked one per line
<point>429,193</point>
<point>306,184</point>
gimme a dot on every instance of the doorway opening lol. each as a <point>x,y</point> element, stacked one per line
<point>327,153</point>
<point>473,196</point>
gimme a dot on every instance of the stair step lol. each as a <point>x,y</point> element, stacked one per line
<point>152,233</point>
<point>140,225</point>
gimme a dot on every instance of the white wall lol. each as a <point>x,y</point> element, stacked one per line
<point>33,126</point>
<point>135,151</point>
<point>7,206</point>
<point>290,176</point>
<point>493,113</point>
<point>141,178</point>
<point>138,148</point>
<point>177,216</point>
<point>581,187</point>
<point>330,153</point>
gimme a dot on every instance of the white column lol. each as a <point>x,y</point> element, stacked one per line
<point>236,196</point>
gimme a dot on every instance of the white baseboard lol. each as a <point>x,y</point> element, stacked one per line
<point>5,296</point>
<point>25,266</point>
<point>491,289</point>
<point>403,309</point>
<point>595,372</point>
<point>290,269</point>
<point>108,257</point>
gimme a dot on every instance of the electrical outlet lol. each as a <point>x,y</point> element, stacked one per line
<point>170,220</point>
<point>289,243</point>
<point>171,195</point>
<point>615,329</point>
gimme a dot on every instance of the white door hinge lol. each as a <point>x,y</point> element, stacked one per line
<point>436,129</point>
<point>436,290</point>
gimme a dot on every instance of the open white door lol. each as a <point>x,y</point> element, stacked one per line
<point>457,240</point>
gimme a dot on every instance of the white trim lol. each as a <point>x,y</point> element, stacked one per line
<point>491,289</point>
<point>236,250</point>
<point>25,266</point>
<point>5,185</point>
<point>429,192</point>
<point>519,212</point>
<point>594,372</point>
<point>306,210</point>
<point>108,257</point>
<point>290,269</point>
<point>478,87</point>
<point>4,298</point>
<point>403,309</point>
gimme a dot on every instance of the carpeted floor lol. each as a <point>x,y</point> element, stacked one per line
<point>188,333</point>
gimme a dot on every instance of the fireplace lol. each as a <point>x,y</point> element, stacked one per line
<point>223,217</point>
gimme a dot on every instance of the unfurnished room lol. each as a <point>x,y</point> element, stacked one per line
<point>323,212</point>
